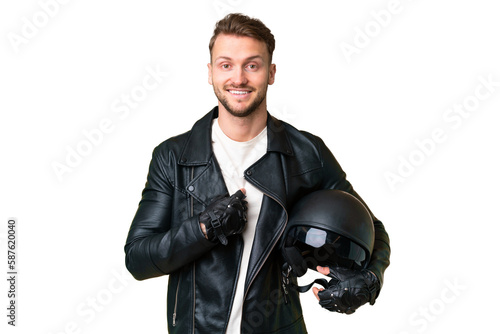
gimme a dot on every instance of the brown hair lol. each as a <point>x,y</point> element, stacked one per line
<point>242,25</point>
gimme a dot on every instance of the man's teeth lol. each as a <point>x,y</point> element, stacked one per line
<point>238,92</point>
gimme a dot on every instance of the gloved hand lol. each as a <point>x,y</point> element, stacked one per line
<point>349,289</point>
<point>225,216</point>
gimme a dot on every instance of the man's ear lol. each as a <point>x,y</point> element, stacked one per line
<point>210,73</point>
<point>272,74</point>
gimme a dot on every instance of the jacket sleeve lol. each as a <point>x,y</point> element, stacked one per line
<point>154,247</point>
<point>335,178</point>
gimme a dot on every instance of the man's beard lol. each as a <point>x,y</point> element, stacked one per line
<point>240,113</point>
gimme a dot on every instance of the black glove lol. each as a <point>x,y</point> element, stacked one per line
<point>349,289</point>
<point>225,216</point>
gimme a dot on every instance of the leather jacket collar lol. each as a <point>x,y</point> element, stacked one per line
<point>198,148</point>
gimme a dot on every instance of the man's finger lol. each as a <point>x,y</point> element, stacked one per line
<point>323,270</point>
<point>315,290</point>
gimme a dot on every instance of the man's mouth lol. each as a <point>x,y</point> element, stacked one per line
<point>239,92</point>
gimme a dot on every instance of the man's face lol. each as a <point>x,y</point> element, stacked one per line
<point>240,72</point>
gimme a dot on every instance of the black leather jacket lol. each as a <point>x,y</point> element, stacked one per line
<point>165,237</point>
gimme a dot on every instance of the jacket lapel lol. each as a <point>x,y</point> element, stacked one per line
<point>198,152</point>
<point>269,175</point>
<point>208,184</point>
<point>273,215</point>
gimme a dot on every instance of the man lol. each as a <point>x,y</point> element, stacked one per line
<point>220,251</point>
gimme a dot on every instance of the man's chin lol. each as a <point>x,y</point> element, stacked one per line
<point>240,112</point>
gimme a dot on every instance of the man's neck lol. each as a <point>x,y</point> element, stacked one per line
<point>242,128</point>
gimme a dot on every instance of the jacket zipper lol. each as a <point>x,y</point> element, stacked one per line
<point>175,302</point>
<point>194,292</point>
<point>174,315</point>
<point>194,262</point>
<point>277,239</point>
<point>191,213</point>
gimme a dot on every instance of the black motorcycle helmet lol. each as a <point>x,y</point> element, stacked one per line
<point>328,228</point>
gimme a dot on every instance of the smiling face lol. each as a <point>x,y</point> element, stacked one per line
<point>240,72</point>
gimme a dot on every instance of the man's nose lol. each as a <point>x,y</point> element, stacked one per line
<point>239,77</point>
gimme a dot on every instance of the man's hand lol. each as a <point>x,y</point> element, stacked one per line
<point>322,270</point>
<point>348,290</point>
<point>224,217</point>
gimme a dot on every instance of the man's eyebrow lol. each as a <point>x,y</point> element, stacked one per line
<point>246,59</point>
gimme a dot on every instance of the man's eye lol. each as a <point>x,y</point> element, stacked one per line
<point>225,66</point>
<point>252,66</point>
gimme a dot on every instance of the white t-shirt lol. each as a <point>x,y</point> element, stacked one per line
<point>234,158</point>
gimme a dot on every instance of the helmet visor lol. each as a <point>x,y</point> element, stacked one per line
<point>327,249</point>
